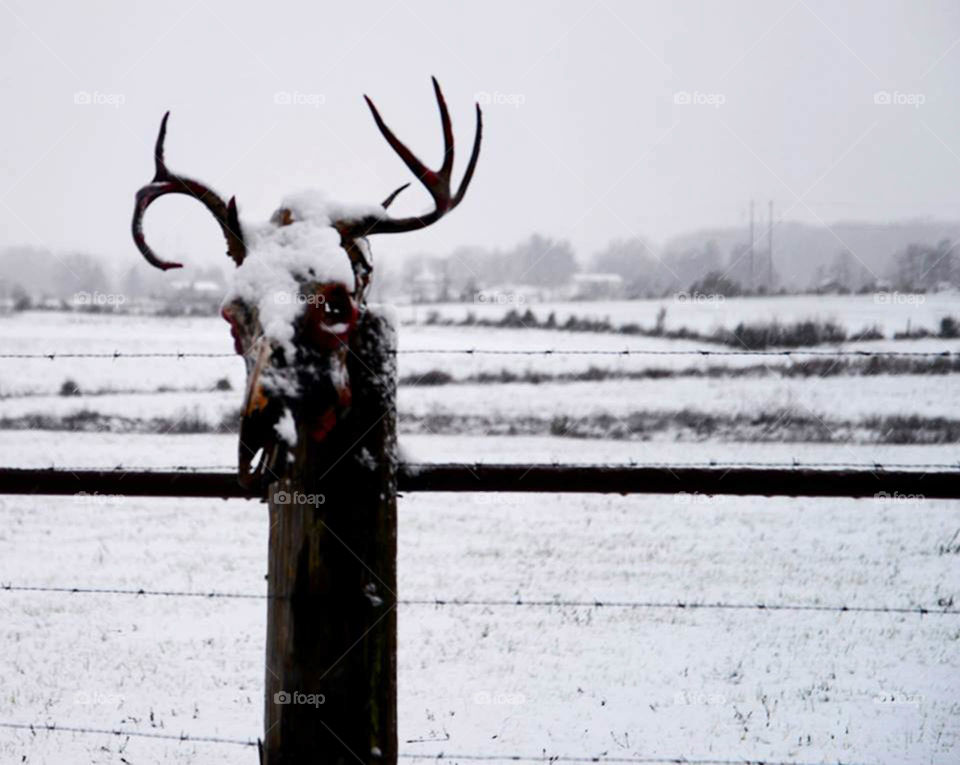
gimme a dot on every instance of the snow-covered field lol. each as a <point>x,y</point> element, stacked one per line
<point>890,311</point>
<point>811,687</point>
<point>928,396</point>
<point>668,683</point>
<point>186,388</point>
<point>40,333</point>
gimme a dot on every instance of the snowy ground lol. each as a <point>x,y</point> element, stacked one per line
<point>47,449</point>
<point>884,395</point>
<point>890,311</point>
<point>39,333</point>
<point>560,680</point>
<point>812,687</point>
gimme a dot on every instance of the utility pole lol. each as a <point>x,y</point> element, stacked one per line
<point>770,248</point>
<point>752,281</point>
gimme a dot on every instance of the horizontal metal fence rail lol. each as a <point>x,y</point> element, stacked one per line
<point>601,479</point>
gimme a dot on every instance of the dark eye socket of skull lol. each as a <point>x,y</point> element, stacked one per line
<point>336,306</point>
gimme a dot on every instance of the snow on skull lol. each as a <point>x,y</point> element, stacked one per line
<point>295,300</point>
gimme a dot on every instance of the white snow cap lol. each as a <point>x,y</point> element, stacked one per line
<point>279,258</point>
<point>286,429</point>
<point>317,206</point>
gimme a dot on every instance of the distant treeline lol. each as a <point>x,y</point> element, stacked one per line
<point>908,257</point>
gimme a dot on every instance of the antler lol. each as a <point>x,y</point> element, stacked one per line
<point>165,182</point>
<point>436,182</point>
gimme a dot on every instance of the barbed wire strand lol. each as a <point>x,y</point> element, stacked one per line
<point>130,591</point>
<point>543,758</point>
<point>872,466</point>
<point>139,469</point>
<point>877,466</point>
<point>630,604</point>
<point>548,758</point>
<point>515,602</point>
<point>182,737</point>
<point>119,355</point>
<point>505,352</point>
<point>658,352</point>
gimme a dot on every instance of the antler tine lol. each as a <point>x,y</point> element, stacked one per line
<point>165,182</point>
<point>447,166</point>
<point>437,182</point>
<point>393,195</point>
<point>161,173</point>
<point>472,164</point>
<point>423,173</point>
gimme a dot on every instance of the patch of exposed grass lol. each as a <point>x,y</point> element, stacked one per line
<point>914,429</point>
<point>752,336</point>
<point>775,426</point>
<point>188,421</point>
<point>759,335</point>
<point>820,367</point>
<point>71,388</point>
<point>684,425</point>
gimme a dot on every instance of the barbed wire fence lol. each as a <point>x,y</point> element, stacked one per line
<point>543,757</point>
<point>786,353</point>
<point>944,608</point>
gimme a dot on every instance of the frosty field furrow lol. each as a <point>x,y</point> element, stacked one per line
<point>824,399</point>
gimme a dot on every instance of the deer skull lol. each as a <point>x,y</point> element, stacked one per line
<point>295,302</point>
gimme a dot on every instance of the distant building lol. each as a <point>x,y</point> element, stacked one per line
<point>200,297</point>
<point>512,295</point>
<point>427,287</point>
<point>146,306</point>
<point>596,286</point>
<point>832,287</point>
<point>209,287</point>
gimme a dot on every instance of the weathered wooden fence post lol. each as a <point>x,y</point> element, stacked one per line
<point>331,625</point>
<point>331,662</point>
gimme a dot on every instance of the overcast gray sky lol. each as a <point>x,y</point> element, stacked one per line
<point>584,135</point>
